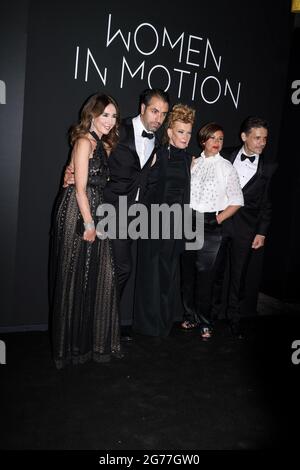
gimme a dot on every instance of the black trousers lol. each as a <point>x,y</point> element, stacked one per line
<point>123,260</point>
<point>125,253</point>
<point>237,248</point>
<point>202,273</point>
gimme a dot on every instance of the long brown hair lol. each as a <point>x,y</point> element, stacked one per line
<point>93,107</point>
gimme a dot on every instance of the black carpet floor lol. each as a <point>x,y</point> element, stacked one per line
<point>173,393</point>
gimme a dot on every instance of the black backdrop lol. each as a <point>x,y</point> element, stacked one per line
<point>13,43</point>
<point>282,260</point>
<point>230,61</point>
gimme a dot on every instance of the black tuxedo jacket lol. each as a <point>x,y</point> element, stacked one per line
<point>126,174</point>
<point>255,216</point>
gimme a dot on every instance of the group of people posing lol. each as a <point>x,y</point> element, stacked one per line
<point>111,159</point>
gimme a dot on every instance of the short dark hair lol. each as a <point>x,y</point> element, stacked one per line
<point>251,122</point>
<point>207,131</point>
<point>149,93</point>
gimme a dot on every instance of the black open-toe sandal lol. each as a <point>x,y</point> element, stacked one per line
<point>205,332</point>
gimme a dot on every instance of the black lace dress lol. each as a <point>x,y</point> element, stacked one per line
<point>85,323</point>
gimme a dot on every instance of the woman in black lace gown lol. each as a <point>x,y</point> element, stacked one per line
<point>85,323</point>
<point>168,183</point>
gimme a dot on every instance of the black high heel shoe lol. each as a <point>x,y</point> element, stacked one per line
<point>205,327</point>
<point>206,332</point>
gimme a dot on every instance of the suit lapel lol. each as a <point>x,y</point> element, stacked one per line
<point>233,156</point>
<point>156,146</point>
<point>129,141</point>
<point>256,175</point>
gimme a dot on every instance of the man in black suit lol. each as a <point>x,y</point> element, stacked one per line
<point>247,229</point>
<point>129,164</point>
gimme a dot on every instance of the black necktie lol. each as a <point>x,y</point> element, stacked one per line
<point>243,157</point>
<point>147,134</point>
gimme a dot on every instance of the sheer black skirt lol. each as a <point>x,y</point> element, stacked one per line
<point>85,323</point>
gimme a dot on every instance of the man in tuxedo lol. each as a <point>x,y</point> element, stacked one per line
<point>129,164</point>
<point>247,229</point>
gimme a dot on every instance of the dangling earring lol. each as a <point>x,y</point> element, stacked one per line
<point>169,152</point>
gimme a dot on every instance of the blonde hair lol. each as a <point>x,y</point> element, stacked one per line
<point>180,112</point>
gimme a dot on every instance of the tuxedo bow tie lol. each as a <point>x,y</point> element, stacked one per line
<point>243,157</point>
<point>147,134</point>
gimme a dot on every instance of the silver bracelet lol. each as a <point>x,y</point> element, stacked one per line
<point>89,225</point>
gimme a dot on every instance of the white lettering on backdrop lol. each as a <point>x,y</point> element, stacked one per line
<point>196,56</point>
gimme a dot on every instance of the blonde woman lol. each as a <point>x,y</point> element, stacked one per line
<point>169,183</point>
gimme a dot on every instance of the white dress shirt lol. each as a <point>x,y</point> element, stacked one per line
<point>214,184</point>
<point>143,145</point>
<point>246,169</point>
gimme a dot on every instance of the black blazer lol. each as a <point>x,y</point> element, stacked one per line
<point>126,174</point>
<point>255,216</point>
